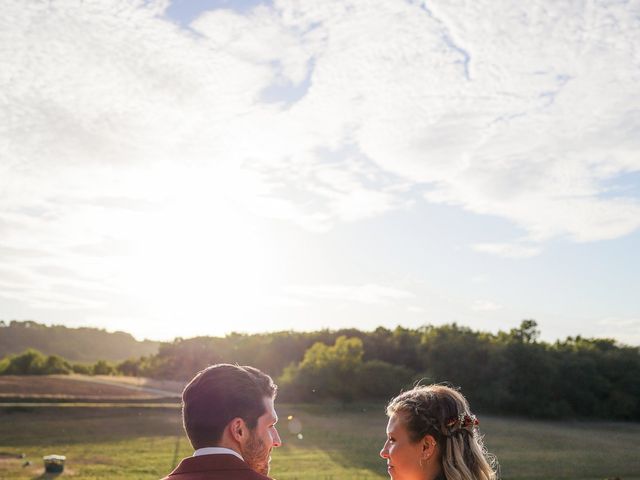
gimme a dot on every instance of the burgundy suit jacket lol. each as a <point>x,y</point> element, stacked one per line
<point>214,467</point>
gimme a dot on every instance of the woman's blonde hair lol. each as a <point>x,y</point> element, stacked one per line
<point>444,413</point>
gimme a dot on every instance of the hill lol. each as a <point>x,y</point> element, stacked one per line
<point>75,344</point>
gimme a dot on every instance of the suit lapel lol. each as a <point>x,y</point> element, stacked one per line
<point>204,463</point>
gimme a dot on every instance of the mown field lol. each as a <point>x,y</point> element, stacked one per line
<point>335,443</point>
<point>65,387</point>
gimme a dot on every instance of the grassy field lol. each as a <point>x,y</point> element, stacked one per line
<point>336,443</point>
<point>85,387</point>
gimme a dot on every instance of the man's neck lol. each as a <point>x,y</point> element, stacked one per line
<point>216,451</point>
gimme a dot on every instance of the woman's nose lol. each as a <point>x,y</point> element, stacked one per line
<point>384,453</point>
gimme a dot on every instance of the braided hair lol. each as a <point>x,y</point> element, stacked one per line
<point>444,413</point>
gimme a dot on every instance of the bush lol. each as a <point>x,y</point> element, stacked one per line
<point>82,369</point>
<point>102,367</point>
<point>56,365</point>
<point>29,362</point>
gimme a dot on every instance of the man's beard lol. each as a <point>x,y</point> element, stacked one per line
<point>256,454</point>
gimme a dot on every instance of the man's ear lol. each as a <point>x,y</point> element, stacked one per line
<point>238,430</point>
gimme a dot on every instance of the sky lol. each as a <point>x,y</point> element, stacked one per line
<point>181,168</point>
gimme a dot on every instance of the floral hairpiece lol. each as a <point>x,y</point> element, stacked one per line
<point>463,421</point>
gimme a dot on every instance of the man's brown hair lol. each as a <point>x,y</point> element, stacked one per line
<point>220,393</point>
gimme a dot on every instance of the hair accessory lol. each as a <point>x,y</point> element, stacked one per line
<point>463,421</point>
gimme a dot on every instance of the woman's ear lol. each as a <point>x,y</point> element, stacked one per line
<point>429,446</point>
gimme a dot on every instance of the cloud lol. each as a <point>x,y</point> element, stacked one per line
<point>113,115</point>
<point>499,121</point>
<point>54,289</point>
<point>367,294</point>
<point>485,306</point>
<point>480,278</point>
<point>415,309</point>
<point>509,250</point>
<point>626,328</point>
<point>506,122</point>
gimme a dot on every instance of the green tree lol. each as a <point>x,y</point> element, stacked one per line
<point>4,364</point>
<point>132,367</point>
<point>527,332</point>
<point>457,355</point>
<point>325,371</point>
<point>376,379</point>
<point>55,364</point>
<point>82,369</point>
<point>29,362</point>
<point>102,367</point>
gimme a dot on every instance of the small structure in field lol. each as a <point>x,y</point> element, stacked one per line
<point>54,463</point>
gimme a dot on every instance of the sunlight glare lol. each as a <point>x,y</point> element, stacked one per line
<point>199,260</point>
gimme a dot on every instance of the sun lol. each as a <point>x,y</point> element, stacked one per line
<point>199,259</point>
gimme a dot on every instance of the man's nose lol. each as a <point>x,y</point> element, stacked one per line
<point>276,438</point>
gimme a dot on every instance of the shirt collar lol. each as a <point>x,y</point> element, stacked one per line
<point>216,451</point>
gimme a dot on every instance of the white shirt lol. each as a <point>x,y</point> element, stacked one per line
<point>216,451</point>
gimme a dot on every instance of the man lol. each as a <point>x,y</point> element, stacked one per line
<point>229,417</point>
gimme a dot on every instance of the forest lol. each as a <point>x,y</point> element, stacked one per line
<point>508,372</point>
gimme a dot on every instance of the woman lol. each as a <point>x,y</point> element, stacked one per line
<point>432,435</point>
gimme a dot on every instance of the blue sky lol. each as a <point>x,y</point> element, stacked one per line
<point>180,168</point>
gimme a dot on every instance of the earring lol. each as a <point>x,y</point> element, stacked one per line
<point>433,445</point>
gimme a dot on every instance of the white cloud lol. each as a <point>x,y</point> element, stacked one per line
<point>368,294</point>
<point>415,309</point>
<point>113,115</point>
<point>480,279</point>
<point>626,328</point>
<point>505,121</point>
<point>509,250</point>
<point>485,306</point>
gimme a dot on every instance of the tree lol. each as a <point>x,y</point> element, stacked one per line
<point>29,362</point>
<point>325,371</point>
<point>376,379</point>
<point>55,364</point>
<point>102,367</point>
<point>527,332</point>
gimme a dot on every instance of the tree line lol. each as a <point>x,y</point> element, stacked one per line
<point>506,372</point>
<point>34,362</point>
<point>83,344</point>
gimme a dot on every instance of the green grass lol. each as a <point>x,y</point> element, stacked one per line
<point>336,443</point>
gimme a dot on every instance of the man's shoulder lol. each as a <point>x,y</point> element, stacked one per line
<point>217,475</point>
<point>257,476</point>
<point>214,467</point>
